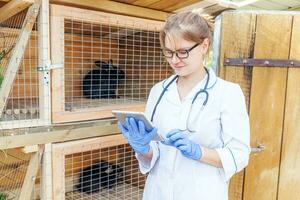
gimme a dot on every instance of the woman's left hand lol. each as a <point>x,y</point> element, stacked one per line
<point>182,142</point>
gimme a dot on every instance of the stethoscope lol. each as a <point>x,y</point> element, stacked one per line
<point>201,91</point>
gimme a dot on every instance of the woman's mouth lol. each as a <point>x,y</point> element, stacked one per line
<point>178,66</point>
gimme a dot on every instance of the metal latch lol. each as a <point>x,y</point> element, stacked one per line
<point>258,149</point>
<point>49,66</point>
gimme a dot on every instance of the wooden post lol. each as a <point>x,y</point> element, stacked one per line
<point>31,174</point>
<point>17,53</point>
<point>44,63</point>
<point>46,180</point>
<point>13,7</point>
<point>116,7</point>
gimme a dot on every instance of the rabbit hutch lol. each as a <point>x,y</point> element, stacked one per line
<point>64,66</point>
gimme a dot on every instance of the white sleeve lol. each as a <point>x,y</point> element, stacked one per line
<point>146,165</point>
<point>235,152</point>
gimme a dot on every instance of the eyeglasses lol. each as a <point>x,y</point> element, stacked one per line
<point>181,54</point>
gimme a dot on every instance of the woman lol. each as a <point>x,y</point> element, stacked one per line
<point>202,118</point>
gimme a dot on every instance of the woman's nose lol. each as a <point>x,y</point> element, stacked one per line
<point>175,59</point>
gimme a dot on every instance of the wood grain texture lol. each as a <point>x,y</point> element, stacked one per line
<point>267,106</point>
<point>237,31</point>
<point>289,180</point>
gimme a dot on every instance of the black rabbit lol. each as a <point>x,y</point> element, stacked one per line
<point>102,82</point>
<point>99,175</point>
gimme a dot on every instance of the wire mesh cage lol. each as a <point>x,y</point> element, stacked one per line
<point>101,168</point>
<point>110,61</point>
<point>22,43</point>
<point>22,102</point>
<point>13,166</point>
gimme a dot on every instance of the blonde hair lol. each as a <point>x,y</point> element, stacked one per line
<point>190,25</point>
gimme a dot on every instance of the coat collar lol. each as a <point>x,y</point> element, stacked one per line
<point>172,93</point>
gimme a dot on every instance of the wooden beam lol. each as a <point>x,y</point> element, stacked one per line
<point>44,61</point>
<point>115,7</point>
<point>45,137</point>
<point>17,53</point>
<point>31,174</point>
<point>13,7</point>
<point>46,169</point>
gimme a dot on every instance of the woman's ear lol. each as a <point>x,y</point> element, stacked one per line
<point>205,46</point>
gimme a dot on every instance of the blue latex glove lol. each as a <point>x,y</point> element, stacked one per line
<point>138,137</point>
<point>181,141</point>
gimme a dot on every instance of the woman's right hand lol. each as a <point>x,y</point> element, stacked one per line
<point>138,137</point>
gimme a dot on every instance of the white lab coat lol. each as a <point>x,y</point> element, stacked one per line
<point>223,125</point>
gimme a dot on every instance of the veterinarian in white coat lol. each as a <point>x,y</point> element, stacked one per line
<point>203,119</point>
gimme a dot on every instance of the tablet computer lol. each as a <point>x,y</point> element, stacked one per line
<point>121,115</point>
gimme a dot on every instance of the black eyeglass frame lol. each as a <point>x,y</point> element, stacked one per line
<point>187,52</point>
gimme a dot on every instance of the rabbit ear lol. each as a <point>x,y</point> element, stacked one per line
<point>110,64</point>
<point>99,63</point>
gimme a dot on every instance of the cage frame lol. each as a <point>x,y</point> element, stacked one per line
<point>38,11</point>
<point>57,16</point>
<point>60,150</point>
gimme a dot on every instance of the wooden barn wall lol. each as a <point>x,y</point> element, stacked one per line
<point>272,95</point>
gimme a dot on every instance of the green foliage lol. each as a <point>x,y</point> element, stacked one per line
<point>1,78</point>
<point>209,59</point>
<point>3,196</point>
<point>2,54</point>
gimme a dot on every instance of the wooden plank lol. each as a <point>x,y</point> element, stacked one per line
<point>273,34</point>
<point>170,6</point>
<point>13,7</point>
<point>17,53</point>
<point>115,7</point>
<point>8,142</point>
<point>46,179</point>
<point>78,146</point>
<point>31,174</point>
<point>93,113</point>
<point>104,18</point>
<point>44,60</point>
<point>289,180</point>
<point>57,57</point>
<point>58,169</point>
<point>237,45</point>
<point>181,4</point>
